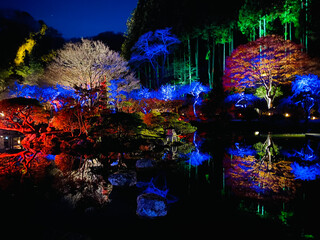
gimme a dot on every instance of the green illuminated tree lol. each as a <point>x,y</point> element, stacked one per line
<point>290,15</point>
<point>249,20</point>
<point>256,18</point>
<point>275,92</point>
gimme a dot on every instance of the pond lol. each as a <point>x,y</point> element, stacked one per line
<point>257,185</point>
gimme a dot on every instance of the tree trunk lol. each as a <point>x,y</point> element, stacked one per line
<point>224,57</point>
<point>260,28</point>
<point>264,27</point>
<point>196,56</point>
<point>212,61</point>
<point>209,64</point>
<point>268,151</point>
<point>285,31</point>
<point>184,68</point>
<point>189,59</point>
<point>269,101</point>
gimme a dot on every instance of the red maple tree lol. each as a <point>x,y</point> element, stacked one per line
<point>22,115</point>
<point>269,61</point>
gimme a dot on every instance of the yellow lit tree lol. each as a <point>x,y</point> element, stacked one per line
<point>28,45</point>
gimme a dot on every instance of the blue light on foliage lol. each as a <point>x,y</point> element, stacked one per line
<point>150,187</point>
<point>169,92</point>
<point>242,151</point>
<point>195,89</point>
<point>43,94</point>
<point>306,84</point>
<point>142,93</point>
<point>241,100</point>
<point>305,172</point>
<point>306,90</point>
<point>306,154</point>
<point>196,158</point>
<point>172,92</point>
<point>258,188</point>
<point>50,157</point>
<point>165,92</point>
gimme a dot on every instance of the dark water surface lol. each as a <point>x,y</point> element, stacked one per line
<point>255,186</point>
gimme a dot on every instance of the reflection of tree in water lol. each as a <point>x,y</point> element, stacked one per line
<point>22,162</point>
<point>306,165</point>
<point>77,180</point>
<point>267,151</point>
<point>261,177</point>
<point>83,185</point>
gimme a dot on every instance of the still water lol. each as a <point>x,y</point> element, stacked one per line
<point>258,186</point>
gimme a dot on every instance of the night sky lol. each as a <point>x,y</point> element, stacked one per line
<point>78,18</point>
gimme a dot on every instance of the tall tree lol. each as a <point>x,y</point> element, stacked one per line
<point>88,65</point>
<point>269,62</point>
<point>256,18</point>
<point>290,15</point>
<point>154,48</point>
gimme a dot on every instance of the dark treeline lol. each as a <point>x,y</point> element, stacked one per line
<point>16,27</point>
<point>37,43</point>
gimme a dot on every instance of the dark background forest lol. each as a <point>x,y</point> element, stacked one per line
<point>208,32</point>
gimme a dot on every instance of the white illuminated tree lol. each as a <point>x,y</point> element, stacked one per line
<point>87,65</point>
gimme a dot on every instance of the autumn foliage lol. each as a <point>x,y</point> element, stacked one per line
<point>269,62</point>
<point>22,115</point>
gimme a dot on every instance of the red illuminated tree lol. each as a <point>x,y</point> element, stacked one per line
<point>269,61</point>
<point>22,115</point>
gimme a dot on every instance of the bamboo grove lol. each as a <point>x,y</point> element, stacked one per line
<point>207,34</point>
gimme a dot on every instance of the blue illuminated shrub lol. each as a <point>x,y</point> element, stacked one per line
<point>241,100</point>
<point>305,172</point>
<point>53,95</point>
<point>306,90</point>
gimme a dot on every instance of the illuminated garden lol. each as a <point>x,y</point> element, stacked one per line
<point>205,120</point>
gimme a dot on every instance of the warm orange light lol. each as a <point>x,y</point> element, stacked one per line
<point>287,115</point>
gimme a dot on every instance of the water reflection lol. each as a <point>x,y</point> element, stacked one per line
<point>275,178</point>
<point>262,170</point>
<point>259,178</point>
<point>306,164</point>
<point>23,163</point>
<point>253,171</point>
